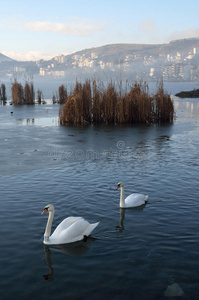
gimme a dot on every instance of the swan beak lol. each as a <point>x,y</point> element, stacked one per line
<point>117,187</point>
<point>45,210</point>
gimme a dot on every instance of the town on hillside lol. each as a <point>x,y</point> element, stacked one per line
<point>175,61</point>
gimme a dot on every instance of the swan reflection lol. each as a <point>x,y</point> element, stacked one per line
<point>122,215</point>
<point>73,249</point>
<point>48,277</point>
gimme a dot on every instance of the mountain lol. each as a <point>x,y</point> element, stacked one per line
<point>5,58</point>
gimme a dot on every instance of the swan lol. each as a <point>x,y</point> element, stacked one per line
<point>132,200</point>
<point>70,230</point>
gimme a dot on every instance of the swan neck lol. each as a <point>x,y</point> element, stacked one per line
<point>49,224</point>
<point>122,196</point>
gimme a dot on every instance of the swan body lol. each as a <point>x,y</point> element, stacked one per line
<point>70,230</point>
<point>132,200</point>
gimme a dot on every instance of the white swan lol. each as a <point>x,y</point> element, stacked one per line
<point>71,229</point>
<point>132,200</point>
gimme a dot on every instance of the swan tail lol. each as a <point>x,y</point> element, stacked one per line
<point>146,198</point>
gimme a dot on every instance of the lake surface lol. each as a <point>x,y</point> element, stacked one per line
<point>77,170</point>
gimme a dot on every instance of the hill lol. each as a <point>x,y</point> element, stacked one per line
<point>113,51</point>
<point>5,58</point>
<point>174,61</point>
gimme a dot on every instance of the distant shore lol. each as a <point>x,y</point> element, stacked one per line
<point>188,94</point>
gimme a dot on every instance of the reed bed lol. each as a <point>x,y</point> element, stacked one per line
<point>93,103</point>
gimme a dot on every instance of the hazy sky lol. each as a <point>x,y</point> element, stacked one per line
<point>34,29</point>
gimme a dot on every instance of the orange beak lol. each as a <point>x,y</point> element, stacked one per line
<point>45,210</point>
<point>117,187</point>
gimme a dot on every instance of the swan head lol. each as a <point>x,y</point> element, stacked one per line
<point>120,184</point>
<point>48,208</point>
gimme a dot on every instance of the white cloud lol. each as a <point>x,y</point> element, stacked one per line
<point>81,29</point>
<point>73,27</point>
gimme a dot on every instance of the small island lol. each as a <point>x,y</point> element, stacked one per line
<point>188,94</point>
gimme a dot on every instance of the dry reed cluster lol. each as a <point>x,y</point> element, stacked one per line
<point>22,95</point>
<point>92,103</point>
<point>3,96</point>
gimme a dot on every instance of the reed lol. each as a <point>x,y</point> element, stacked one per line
<point>3,96</point>
<point>86,100</point>
<point>39,96</point>
<point>54,99</point>
<point>29,94</point>
<point>22,95</point>
<point>62,94</point>
<point>17,93</point>
<point>163,106</point>
<point>137,107</point>
<point>96,104</point>
<point>77,109</point>
<point>109,104</point>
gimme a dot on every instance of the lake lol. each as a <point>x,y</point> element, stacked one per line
<point>153,254</point>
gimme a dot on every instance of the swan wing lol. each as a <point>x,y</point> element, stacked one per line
<point>70,230</point>
<point>66,223</point>
<point>135,200</point>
